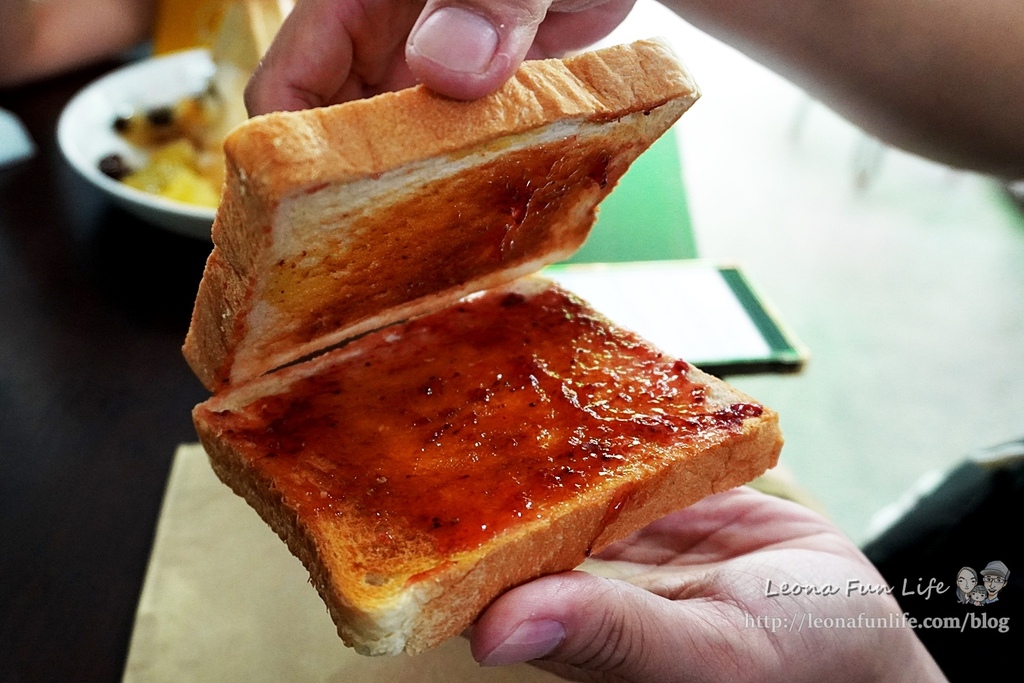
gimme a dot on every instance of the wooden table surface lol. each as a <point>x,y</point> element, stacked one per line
<point>94,397</point>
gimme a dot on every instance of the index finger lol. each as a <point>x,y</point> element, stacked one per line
<point>308,62</point>
<point>330,51</point>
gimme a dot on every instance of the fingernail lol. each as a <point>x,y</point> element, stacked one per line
<point>456,39</point>
<point>530,640</point>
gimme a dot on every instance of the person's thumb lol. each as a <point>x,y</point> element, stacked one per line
<point>584,622</point>
<point>467,48</point>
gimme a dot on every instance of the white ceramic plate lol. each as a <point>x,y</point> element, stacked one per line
<point>85,132</point>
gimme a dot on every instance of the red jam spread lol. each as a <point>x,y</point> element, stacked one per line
<point>524,206</point>
<point>456,425</point>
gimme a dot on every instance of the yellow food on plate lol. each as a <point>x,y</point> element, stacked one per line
<point>180,171</point>
<point>182,141</point>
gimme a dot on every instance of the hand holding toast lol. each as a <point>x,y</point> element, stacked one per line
<point>861,64</point>
<point>691,601</point>
<point>331,51</point>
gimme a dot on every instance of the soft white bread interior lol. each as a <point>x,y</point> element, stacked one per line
<point>341,220</point>
<point>421,470</point>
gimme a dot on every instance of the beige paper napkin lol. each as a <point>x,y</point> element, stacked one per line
<point>225,601</point>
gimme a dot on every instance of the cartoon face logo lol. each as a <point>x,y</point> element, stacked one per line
<point>994,584</point>
<point>966,581</point>
<point>971,591</point>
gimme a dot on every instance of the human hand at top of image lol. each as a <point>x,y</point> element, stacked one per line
<point>331,51</point>
<point>936,78</point>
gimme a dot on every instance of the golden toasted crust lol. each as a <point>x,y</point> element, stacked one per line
<point>288,151</point>
<point>446,601</point>
<point>341,220</point>
<point>588,526</point>
<point>285,445</point>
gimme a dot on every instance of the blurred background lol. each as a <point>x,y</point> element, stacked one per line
<point>901,276</point>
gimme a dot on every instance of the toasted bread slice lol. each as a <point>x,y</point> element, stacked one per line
<point>421,470</point>
<point>338,221</point>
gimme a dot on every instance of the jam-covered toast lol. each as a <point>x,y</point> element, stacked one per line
<point>423,469</point>
<point>337,221</point>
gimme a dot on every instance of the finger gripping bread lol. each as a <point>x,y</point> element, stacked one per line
<point>424,423</point>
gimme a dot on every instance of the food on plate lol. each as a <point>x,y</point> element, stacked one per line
<point>180,142</point>
<point>182,146</point>
<point>424,422</point>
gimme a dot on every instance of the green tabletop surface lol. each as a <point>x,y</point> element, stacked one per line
<point>645,218</point>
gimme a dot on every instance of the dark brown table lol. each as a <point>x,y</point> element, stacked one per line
<point>94,397</point>
<point>94,394</point>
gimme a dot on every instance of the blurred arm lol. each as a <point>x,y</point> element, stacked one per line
<point>43,37</point>
<point>941,78</point>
